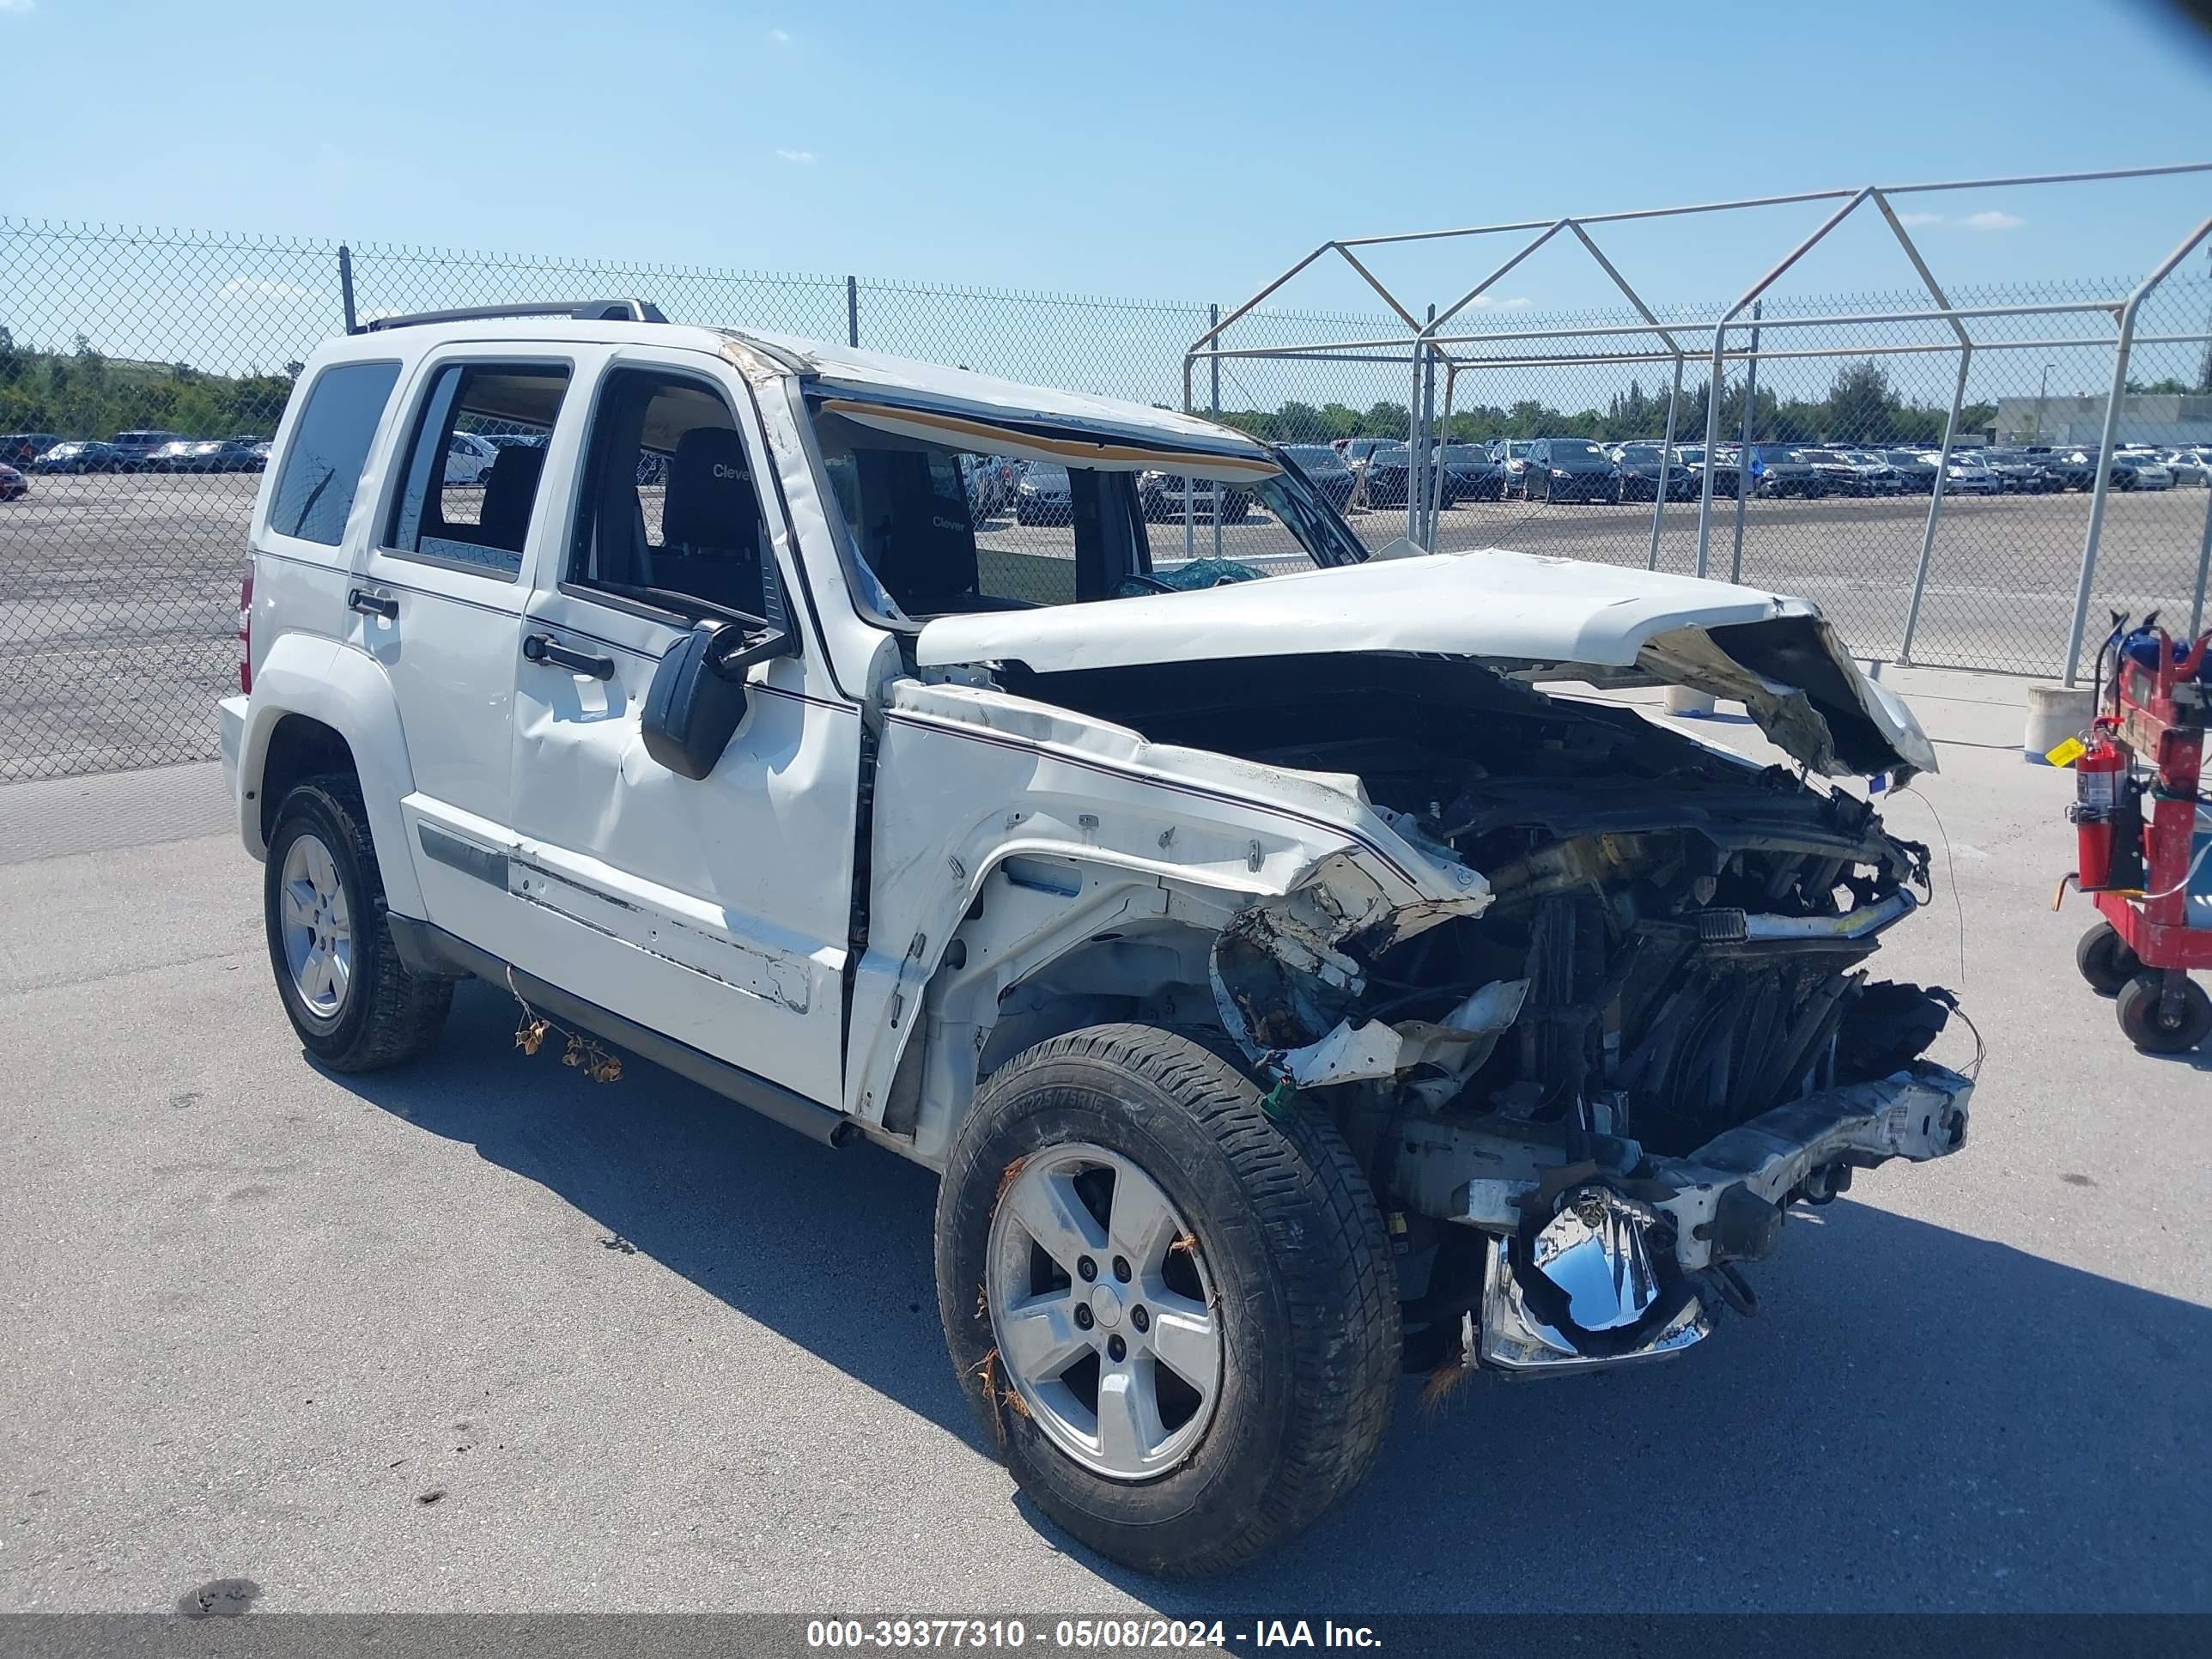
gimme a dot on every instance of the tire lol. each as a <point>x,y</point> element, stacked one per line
<point>1303,1294</point>
<point>2138,1008</point>
<point>384,1014</point>
<point>2104,960</point>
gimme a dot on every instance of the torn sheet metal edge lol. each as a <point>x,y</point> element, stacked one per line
<point>1459,1042</point>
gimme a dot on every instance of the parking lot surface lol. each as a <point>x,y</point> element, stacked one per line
<point>478,1334</point>
<point>118,593</point>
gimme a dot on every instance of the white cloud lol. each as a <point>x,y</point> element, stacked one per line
<point>1913,220</point>
<point>802,157</point>
<point>781,37</point>
<point>18,7</point>
<point>1993,220</point>
<point>1513,304</point>
<point>249,288</point>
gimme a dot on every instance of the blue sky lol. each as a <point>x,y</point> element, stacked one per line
<point>1181,151</point>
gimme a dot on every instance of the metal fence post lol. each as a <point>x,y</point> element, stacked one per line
<point>2106,437</point>
<point>1666,460</point>
<point>852,311</point>
<point>1743,460</point>
<point>1934,505</point>
<point>345,286</point>
<point>1212,408</point>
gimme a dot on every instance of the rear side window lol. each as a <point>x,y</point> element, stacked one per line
<point>329,447</point>
<point>455,507</point>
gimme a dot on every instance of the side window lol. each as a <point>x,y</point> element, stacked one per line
<point>669,515</point>
<point>329,445</point>
<point>455,507</point>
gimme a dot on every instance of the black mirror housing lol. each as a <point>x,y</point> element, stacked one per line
<point>698,697</point>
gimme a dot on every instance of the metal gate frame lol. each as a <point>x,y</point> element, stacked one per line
<point>1427,347</point>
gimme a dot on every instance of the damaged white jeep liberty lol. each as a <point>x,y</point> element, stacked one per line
<point>1288,990</point>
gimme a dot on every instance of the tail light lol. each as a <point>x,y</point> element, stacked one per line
<point>245,630</point>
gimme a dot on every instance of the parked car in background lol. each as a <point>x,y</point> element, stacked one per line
<point>1044,494</point>
<point>133,449</point>
<point>1470,474</point>
<point>21,448</point>
<point>1569,470</point>
<point>1872,474</point>
<point>1966,475</point>
<point>1776,471</point>
<point>175,456</point>
<point>1385,472</point>
<point>2018,473</point>
<point>470,458</point>
<point>1914,471</point>
<point>1639,465</point>
<point>1160,496</point>
<point>2189,466</point>
<point>1323,465</point>
<point>2067,468</point>
<point>13,486</point>
<point>2138,469</point>
<point>1512,455</point>
<point>1355,453</point>
<point>1727,468</point>
<point>77,455</point>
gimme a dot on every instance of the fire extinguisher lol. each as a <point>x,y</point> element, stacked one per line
<point>2107,818</point>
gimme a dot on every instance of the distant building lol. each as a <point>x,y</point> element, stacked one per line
<point>2146,417</point>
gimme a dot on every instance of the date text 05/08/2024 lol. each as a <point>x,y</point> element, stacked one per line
<point>1087,1635</point>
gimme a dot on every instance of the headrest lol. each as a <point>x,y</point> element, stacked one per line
<point>509,493</point>
<point>710,501</point>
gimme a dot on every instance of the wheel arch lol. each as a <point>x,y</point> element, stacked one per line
<point>318,708</point>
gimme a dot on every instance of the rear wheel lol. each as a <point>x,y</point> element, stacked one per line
<point>2153,1026</point>
<point>1176,1315</point>
<point>355,1006</point>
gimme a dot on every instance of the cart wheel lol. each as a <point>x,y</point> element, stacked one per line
<point>2147,1025</point>
<point>2104,960</point>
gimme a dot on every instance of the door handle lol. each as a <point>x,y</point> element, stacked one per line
<point>373,604</point>
<point>543,647</point>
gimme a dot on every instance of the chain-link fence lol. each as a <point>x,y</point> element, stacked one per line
<point>141,373</point>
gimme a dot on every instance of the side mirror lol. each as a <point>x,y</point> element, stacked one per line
<point>698,697</point>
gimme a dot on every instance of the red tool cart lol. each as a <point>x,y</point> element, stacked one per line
<point>2143,830</point>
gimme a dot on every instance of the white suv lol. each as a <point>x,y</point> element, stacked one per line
<point>1287,988</point>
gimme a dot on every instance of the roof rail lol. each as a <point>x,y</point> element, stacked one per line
<point>582,311</point>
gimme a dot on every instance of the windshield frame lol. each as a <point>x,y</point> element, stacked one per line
<point>1324,537</point>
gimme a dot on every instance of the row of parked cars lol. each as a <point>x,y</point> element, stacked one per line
<point>134,452</point>
<point>1375,471</point>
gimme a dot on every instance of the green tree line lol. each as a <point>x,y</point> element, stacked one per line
<point>1862,407</point>
<point>83,393</point>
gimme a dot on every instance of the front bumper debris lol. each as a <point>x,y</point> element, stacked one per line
<point>1516,1340</point>
<point>1611,1261</point>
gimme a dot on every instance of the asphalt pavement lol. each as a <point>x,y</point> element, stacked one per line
<point>478,1334</point>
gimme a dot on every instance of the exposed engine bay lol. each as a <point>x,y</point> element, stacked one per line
<point>1675,951</point>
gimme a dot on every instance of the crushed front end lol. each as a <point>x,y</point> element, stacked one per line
<point>1587,1106</point>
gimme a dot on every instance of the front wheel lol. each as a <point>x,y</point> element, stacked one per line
<point>354,1004</point>
<point>2104,959</point>
<point>1176,1315</point>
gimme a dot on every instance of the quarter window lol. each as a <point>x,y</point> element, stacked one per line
<point>329,447</point>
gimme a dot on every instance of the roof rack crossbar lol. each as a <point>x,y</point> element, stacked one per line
<point>584,311</point>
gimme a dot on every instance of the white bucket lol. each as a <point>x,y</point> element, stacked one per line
<point>1693,705</point>
<point>2055,713</point>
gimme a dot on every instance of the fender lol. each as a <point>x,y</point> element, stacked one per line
<point>348,691</point>
<point>1126,837</point>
